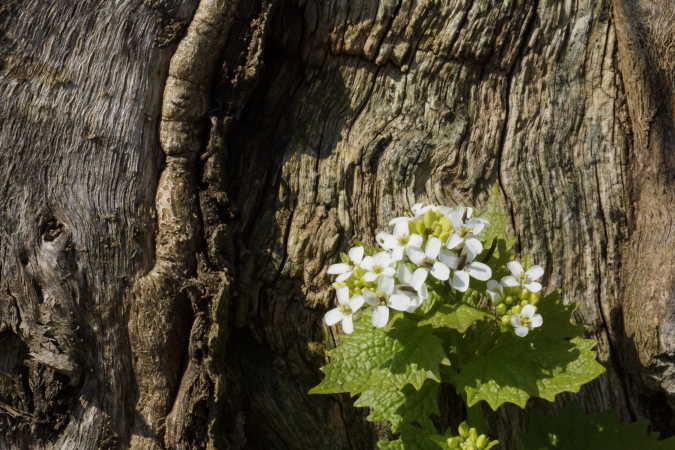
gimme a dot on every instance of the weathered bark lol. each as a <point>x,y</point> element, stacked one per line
<point>176,175</point>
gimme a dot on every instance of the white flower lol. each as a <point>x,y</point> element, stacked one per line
<point>526,320</point>
<point>427,259</point>
<point>399,241</point>
<point>495,290</point>
<point>345,310</point>
<point>463,267</point>
<point>519,277</point>
<point>380,264</point>
<point>411,290</point>
<point>382,299</point>
<point>344,271</point>
<point>465,230</point>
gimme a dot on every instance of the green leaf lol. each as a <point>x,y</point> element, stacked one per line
<point>558,317</point>
<point>458,317</point>
<point>391,445</point>
<point>418,354</point>
<point>573,429</point>
<point>412,438</point>
<point>543,364</point>
<point>404,354</point>
<point>388,402</point>
<point>354,360</point>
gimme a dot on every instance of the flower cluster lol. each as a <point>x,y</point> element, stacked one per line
<point>515,297</point>
<point>435,243</point>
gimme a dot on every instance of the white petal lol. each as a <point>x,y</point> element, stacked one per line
<point>515,268</point>
<point>509,281</point>
<point>342,294</point>
<point>371,298</point>
<point>382,259</point>
<point>476,225</point>
<point>419,208</point>
<point>423,293</point>
<point>440,271</point>
<point>404,274</point>
<point>479,271</point>
<point>397,253</point>
<point>444,210</point>
<point>386,285</point>
<point>415,254</point>
<point>401,229</point>
<point>535,272</point>
<point>396,220</point>
<point>415,240</point>
<point>515,320</point>
<point>533,287</point>
<point>528,310</point>
<point>449,259</point>
<point>356,254</point>
<point>453,241</point>
<point>522,331</point>
<point>460,280</point>
<point>332,317</point>
<point>418,278</point>
<point>473,247</point>
<point>537,321</point>
<point>456,217</point>
<point>388,272</point>
<point>369,276</point>
<point>380,316</point>
<point>343,276</point>
<point>335,269</point>
<point>356,302</point>
<point>433,247</point>
<point>348,325</point>
<point>399,302</point>
<point>381,237</point>
<point>390,242</point>
<point>367,263</point>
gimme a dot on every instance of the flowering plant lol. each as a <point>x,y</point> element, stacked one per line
<point>442,299</point>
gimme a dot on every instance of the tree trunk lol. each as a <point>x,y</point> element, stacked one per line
<point>175,175</point>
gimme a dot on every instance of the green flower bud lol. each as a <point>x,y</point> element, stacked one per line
<point>429,218</point>
<point>524,302</point>
<point>515,309</point>
<point>453,442</point>
<point>473,435</point>
<point>506,320</point>
<point>444,236</point>
<point>445,225</point>
<point>481,441</point>
<point>501,309</point>
<point>418,225</point>
<point>535,297</point>
<point>463,429</point>
<point>509,300</point>
<point>512,290</point>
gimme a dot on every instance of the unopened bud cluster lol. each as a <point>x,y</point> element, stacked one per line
<point>469,439</point>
